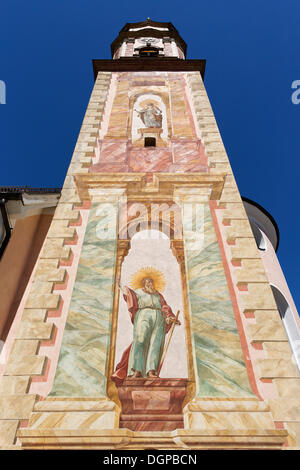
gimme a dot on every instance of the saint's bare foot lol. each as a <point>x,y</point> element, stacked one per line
<point>135,375</point>
<point>152,374</point>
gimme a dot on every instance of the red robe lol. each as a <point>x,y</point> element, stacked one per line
<point>132,304</point>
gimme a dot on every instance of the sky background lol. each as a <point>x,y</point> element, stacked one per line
<point>252,53</point>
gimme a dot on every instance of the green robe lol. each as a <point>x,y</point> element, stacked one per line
<point>148,334</point>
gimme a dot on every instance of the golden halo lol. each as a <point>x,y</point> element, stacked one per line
<point>158,279</point>
<point>148,101</point>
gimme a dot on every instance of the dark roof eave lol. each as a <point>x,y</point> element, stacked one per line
<point>15,192</point>
<point>149,64</point>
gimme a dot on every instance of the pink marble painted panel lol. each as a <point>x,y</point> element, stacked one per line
<point>150,159</point>
<point>153,400</point>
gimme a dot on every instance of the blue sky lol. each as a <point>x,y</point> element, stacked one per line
<point>252,53</point>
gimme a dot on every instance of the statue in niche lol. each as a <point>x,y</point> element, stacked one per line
<point>152,318</point>
<point>151,115</point>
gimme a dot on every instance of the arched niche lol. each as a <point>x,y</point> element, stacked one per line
<point>139,130</point>
<point>152,248</point>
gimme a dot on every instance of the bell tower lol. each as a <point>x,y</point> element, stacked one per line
<point>148,39</point>
<point>150,320</point>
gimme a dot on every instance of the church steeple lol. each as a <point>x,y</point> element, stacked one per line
<point>148,39</point>
<point>150,204</point>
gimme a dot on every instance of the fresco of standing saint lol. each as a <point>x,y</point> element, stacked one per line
<point>152,318</point>
<point>151,116</point>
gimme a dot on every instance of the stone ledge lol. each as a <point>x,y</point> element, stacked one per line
<point>11,447</point>
<point>66,211</point>
<point>77,167</point>
<point>230,404</point>
<point>74,404</point>
<point>16,406</point>
<point>276,368</point>
<point>219,167</point>
<point>54,248</point>
<point>258,297</point>
<point>28,365</point>
<point>35,330</point>
<point>126,439</point>
<point>285,409</point>
<point>288,388</point>
<point>251,270</point>
<point>14,385</point>
<point>34,315</point>
<point>239,228</point>
<point>48,275</point>
<point>279,349</point>
<point>41,286</point>
<point>269,329</point>
<point>68,195</point>
<point>44,301</point>
<point>60,228</point>
<point>234,210</point>
<point>244,248</point>
<point>8,429</point>
<point>230,194</point>
<point>22,348</point>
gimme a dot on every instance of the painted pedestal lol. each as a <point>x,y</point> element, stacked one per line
<point>152,404</point>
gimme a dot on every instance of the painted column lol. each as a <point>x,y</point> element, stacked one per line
<point>220,373</point>
<point>81,369</point>
<point>79,399</point>
<point>218,357</point>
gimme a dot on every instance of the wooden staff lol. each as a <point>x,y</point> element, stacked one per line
<point>168,342</point>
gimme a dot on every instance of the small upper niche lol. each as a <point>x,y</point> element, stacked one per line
<point>149,121</point>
